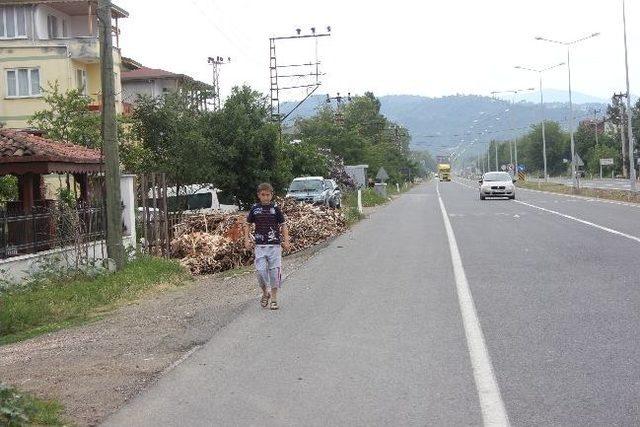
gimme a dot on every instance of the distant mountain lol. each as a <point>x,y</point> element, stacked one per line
<point>561,96</point>
<point>439,123</point>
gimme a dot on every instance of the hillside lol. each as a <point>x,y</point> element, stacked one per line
<point>438,123</point>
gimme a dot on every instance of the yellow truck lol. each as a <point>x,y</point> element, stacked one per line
<point>444,172</point>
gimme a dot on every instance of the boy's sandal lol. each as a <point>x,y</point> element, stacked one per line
<point>274,305</point>
<point>264,301</point>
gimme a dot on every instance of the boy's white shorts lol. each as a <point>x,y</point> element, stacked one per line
<point>268,265</point>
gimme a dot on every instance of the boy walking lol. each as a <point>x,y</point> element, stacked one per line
<point>270,232</point>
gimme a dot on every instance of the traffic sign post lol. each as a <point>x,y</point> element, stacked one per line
<point>606,162</point>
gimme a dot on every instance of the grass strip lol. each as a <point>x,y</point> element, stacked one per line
<point>48,305</point>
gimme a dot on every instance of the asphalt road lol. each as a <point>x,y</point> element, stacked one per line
<point>525,309</point>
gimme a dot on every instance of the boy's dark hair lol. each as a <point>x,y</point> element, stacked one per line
<point>265,186</point>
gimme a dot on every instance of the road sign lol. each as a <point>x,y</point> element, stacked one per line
<point>382,175</point>
<point>521,168</point>
<point>606,162</point>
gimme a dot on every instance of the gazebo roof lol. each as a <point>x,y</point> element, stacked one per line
<point>21,153</point>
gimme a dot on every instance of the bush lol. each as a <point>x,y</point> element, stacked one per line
<point>19,409</point>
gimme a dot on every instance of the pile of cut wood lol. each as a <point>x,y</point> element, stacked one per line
<point>211,243</point>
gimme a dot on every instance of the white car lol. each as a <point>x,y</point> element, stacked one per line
<point>497,184</point>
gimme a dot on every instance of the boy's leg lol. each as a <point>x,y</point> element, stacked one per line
<point>275,270</point>
<point>262,270</point>
<point>275,279</point>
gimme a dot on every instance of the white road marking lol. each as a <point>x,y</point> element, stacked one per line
<point>572,196</point>
<point>491,404</point>
<point>582,221</point>
<point>573,218</point>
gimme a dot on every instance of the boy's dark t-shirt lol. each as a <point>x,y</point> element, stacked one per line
<point>267,219</point>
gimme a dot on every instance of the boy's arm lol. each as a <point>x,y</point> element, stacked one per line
<point>247,235</point>
<point>286,243</point>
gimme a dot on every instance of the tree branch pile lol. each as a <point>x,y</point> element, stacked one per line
<point>337,170</point>
<point>212,243</point>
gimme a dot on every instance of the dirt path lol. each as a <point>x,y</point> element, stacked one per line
<point>93,369</point>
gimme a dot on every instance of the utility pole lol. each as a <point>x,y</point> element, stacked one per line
<point>623,143</point>
<point>339,101</point>
<point>309,70</point>
<point>595,123</point>
<point>115,249</point>
<point>217,62</point>
<point>496,156</point>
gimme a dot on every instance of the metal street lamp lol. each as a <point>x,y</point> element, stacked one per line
<point>568,45</point>
<point>632,166</point>
<point>515,140</point>
<point>544,137</point>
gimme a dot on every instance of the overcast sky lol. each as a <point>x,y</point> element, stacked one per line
<point>427,47</point>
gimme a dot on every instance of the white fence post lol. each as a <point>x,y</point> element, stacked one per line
<point>360,201</point>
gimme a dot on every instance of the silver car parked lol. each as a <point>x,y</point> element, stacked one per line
<point>497,184</point>
<point>311,189</point>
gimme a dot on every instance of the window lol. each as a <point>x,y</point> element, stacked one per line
<point>65,29</point>
<point>52,26</point>
<point>23,82</point>
<point>81,81</point>
<point>13,22</point>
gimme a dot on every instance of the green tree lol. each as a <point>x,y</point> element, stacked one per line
<point>68,118</point>
<point>166,136</point>
<point>243,146</point>
<point>8,188</point>
<point>359,133</point>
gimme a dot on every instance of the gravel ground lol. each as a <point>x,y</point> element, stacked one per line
<point>95,368</point>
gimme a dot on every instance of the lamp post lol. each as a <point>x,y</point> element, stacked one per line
<point>632,166</point>
<point>568,45</point>
<point>544,136</point>
<point>515,140</point>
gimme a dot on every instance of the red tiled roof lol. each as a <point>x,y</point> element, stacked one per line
<point>22,147</point>
<point>148,73</point>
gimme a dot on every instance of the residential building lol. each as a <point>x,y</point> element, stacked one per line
<point>152,82</point>
<point>47,41</point>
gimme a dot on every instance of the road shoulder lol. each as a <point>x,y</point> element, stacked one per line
<point>96,368</point>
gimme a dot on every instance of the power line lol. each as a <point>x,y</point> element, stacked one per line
<point>220,31</point>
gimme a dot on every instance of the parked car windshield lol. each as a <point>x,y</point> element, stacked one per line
<point>306,185</point>
<point>497,176</point>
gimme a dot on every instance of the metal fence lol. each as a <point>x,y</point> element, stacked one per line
<point>47,227</point>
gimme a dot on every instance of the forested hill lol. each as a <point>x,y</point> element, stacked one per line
<point>440,122</point>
